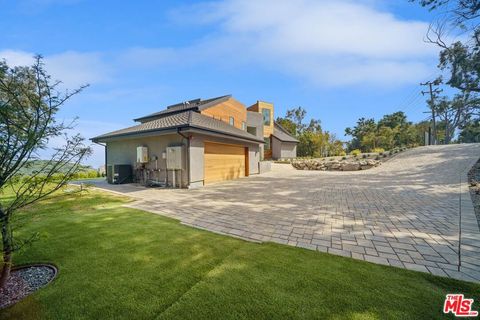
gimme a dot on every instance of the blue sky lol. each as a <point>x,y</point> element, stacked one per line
<point>339,59</point>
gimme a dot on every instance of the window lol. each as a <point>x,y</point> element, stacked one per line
<point>252,130</point>
<point>232,121</point>
<point>244,125</point>
<point>266,116</point>
<point>267,142</point>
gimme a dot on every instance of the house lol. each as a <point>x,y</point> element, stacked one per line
<point>196,142</point>
<point>279,143</point>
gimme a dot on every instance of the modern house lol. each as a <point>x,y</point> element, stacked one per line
<point>196,142</point>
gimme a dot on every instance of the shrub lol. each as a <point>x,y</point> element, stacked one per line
<point>355,152</point>
<point>344,158</point>
<point>378,150</point>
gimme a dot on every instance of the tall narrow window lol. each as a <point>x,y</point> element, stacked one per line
<point>267,143</point>
<point>266,116</point>
<point>232,121</point>
<point>244,125</point>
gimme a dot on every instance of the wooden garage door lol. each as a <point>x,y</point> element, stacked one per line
<point>224,162</point>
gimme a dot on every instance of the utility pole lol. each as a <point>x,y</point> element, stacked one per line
<point>431,91</point>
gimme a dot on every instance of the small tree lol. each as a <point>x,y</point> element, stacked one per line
<point>29,101</point>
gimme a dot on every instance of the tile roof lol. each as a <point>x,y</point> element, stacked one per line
<point>186,119</point>
<point>281,134</point>
<point>195,104</point>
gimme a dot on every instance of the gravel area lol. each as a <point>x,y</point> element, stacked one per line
<point>24,281</point>
<point>474,180</point>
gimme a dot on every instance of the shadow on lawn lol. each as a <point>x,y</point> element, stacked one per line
<point>119,263</point>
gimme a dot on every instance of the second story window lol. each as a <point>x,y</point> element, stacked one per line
<point>244,125</point>
<point>232,121</point>
<point>267,143</point>
<point>266,116</point>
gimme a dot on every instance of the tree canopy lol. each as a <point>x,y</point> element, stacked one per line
<point>313,141</point>
<point>392,130</point>
<point>29,101</point>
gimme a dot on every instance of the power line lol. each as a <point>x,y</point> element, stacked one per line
<point>413,96</point>
<point>432,93</point>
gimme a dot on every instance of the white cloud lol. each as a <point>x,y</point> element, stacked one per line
<point>327,42</point>
<point>330,42</point>
<point>72,68</point>
<point>75,68</point>
<point>16,57</point>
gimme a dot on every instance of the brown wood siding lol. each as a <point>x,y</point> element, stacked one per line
<point>224,162</point>
<point>257,107</point>
<point>247,162</point>
<point>267,130</point>
<point>230,108</point>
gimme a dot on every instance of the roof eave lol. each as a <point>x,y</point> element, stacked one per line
<point>138,133</point>
<point>289,141</point>
<point>224,134</point>
<point>172,130</point>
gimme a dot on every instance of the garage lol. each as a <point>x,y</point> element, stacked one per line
<point>224,162</point>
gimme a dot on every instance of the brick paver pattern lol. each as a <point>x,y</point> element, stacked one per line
<point>404,213</point>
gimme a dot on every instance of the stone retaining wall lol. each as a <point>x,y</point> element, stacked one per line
<point>335,165</point>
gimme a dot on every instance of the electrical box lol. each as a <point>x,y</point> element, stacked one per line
<point>142,154</point>
<point>174,158</point>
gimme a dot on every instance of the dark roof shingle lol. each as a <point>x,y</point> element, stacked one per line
<point>195,104</point>
<point>281,134</point>
<point>185,119</point>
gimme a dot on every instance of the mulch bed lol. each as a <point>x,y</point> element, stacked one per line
<point>474,180</point>
<point>25,280</point>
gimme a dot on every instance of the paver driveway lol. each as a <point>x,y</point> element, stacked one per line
<point>404,213</point>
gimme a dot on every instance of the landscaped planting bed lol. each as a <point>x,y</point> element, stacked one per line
<point>24,281</point>
<point>354,162</point>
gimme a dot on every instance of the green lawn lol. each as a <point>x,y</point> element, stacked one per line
<point>119,263</point>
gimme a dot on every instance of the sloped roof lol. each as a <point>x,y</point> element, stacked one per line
<point>195,104</point>
<point>181,120</point>
<point>281,134</point>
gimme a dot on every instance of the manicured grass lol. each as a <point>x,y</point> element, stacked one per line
<point>119,263</point>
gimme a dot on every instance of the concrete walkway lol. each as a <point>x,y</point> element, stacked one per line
<point>405,213</point>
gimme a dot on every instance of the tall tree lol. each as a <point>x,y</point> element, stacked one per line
<point>364,127</point>
<point>394,120</point>
<point>297,115</point>
<point>29,101</point>
<point>461,58</point>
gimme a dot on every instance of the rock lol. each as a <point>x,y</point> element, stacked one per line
<point>351,167</point>
<point>335,164</point>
